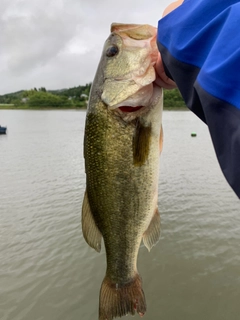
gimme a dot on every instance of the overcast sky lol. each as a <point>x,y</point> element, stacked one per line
<point>57,43</point>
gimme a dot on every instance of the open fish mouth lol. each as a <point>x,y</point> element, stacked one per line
<point>136,107</point>
<point>126,109</point>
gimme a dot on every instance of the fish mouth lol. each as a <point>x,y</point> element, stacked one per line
<point>135,107</point>
<point>127,109</point>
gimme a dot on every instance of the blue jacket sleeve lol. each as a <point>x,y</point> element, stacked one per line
<point>200,47</point>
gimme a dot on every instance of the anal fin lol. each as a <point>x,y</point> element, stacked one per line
<point>152,234</point>
<point>91,233</point>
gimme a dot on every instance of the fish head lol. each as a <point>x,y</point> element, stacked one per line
<point>127,70</point>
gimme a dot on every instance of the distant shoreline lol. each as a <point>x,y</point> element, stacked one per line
<point>75,98</point>
<point>12,107</point>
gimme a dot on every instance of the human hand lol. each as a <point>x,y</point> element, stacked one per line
<point>162,80</point>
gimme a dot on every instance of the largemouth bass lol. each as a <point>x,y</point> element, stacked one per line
<point>123,139</point>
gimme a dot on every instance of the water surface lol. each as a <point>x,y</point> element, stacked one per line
<point>47,271</point>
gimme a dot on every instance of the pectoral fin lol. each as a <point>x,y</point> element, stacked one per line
<point>152,234</point>
<point>141,144</point>
<point>91,233</point>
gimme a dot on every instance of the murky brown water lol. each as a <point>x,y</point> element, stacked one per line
<point>47,271</point>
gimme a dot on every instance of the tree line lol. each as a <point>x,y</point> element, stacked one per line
<point>76,97</point>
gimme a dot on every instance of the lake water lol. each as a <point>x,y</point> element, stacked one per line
<point>47,271</point>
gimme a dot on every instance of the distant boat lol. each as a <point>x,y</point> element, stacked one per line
<point>3,130</point>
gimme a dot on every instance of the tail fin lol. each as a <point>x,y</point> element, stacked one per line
<point>117,301</point>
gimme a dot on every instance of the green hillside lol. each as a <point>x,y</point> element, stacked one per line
<point>75,97</point>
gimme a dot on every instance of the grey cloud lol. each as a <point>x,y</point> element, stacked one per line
<point>58,44</point>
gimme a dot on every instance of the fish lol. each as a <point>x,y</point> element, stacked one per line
<point>123,140</point>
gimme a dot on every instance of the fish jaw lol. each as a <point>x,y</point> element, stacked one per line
<point>135,107</point>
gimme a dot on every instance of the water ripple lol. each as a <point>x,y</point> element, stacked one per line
<point>47,271</point>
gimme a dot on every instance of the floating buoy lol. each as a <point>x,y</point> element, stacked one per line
<point>193,134</point>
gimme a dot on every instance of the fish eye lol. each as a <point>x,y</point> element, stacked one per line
<point>112,51</point>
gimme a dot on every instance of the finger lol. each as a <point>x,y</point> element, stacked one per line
<point>166,84</point>
<point>161,78</point>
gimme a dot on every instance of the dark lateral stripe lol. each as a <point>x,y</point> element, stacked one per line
<point>222,118</point>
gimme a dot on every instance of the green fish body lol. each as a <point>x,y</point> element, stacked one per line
<point>121,150</point>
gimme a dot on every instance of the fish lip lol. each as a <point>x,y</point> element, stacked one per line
<point>141,109</point>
